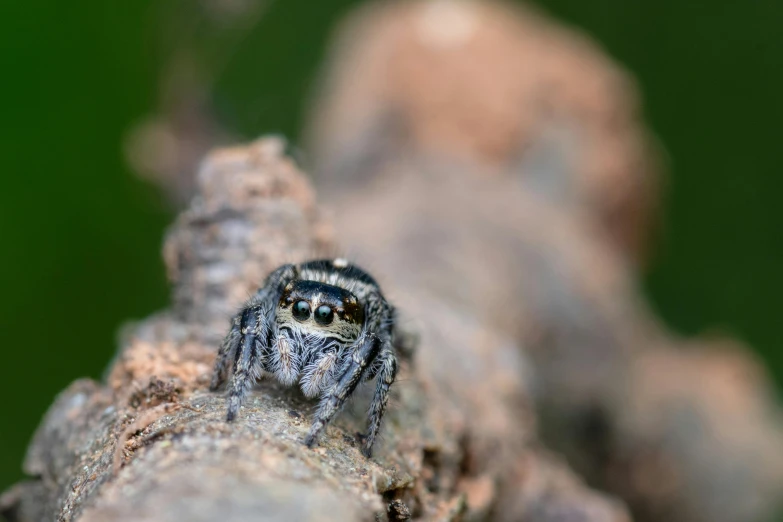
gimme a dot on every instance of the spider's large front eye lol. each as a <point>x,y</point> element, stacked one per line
<point>324,315</point>
<point>301,310</point>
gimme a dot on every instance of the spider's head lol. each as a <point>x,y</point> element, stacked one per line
<point>321,309</point>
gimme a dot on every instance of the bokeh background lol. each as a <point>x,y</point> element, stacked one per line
<point>81,231</point>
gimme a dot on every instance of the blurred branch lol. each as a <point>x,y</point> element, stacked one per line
<point>490,155</point>
<point>196,42</point>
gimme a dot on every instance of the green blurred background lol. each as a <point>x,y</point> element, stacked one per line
<point>80,233</point>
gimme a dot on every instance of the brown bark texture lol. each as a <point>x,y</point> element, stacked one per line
<point>151,443</point>
<point>493,157</point>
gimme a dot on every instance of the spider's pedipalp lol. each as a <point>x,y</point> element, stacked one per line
<point>285,361</point>
<point>319,374</point>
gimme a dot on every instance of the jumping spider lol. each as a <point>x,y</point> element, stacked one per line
<point>322,324</point>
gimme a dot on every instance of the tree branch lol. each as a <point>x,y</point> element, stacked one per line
<point>151,443</point>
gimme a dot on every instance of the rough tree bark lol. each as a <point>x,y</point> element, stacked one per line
<point>150,443</point>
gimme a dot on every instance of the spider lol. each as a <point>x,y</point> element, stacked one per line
<point>323,324</point>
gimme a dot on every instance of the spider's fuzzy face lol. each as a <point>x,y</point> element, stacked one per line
<point>320,310</point>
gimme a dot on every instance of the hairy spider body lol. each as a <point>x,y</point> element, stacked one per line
<point>323,324</point>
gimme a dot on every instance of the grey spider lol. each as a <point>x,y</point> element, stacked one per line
<point>323,324</point>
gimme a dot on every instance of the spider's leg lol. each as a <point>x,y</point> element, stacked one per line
<point>226,354</point>
<point>246,364</point>
<point>383,321</point>
<point>274,285</point>
<point>362,356</point>
<point>386,373</point>
<point>254,327</point>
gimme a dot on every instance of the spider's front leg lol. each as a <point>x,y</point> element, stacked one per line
<point>383,321</point>
<point>226,353</point>
<point>362,356</point>
<point>249,358</point>
<point>251,334</point>
<point>386,370</point>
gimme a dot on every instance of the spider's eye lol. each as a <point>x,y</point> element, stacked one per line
<point>324,315</point>
<point>301,310</point>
